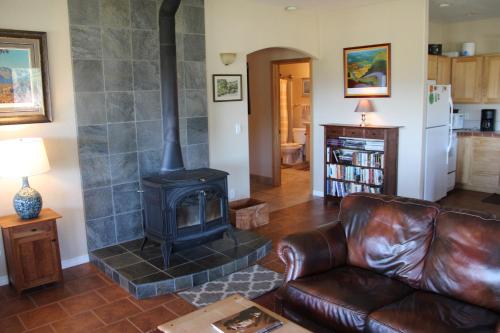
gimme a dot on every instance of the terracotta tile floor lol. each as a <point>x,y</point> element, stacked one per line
<point>89,302</point>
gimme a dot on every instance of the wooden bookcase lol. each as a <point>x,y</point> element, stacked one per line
<point>360,159</point>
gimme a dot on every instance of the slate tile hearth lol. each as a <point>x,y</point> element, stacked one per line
<point>143,274</point>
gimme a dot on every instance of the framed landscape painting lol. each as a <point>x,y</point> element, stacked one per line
<point>227,87</point>
<point>24,77</point>
<point>367,71</point>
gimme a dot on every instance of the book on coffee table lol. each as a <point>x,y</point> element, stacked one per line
<point>251,320</point>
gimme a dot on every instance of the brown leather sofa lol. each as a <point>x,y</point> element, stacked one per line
<point>393,264</point>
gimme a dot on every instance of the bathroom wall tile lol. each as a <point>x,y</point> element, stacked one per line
<point>194,47</point>
<point>118,75</point>
<point>196,103</point>
<point>122,138</point>
<point>101,233</point>
<point>145,44</point>
<point>92,140</point>
<point>90,108</point>
<point>95,171</point>
<point>149,162</point>
<point>197,130</point>
<point>194,75</point>
<point>88,75</point>
<point>120,107</point>
<point>126,198</point>
<point>197,156</point>
<point>144,14</point>
<point>149,135</point>
<point>116,43</point>
<point>193,20</point>
<point>146,75</point>
<point>98,203</point>
<point>85,42</point>
<point>147,105</point>
<point>84,12</point>
<point>129,226</point>
<point>115,13</point>
<point>124,168</point>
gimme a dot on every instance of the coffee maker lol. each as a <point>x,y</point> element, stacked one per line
<point>488,120</point>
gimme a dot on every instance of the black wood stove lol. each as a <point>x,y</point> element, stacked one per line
<point>181,208</point>
<point>185,208</point>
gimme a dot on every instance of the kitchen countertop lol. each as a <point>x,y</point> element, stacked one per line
<point>473,132</point>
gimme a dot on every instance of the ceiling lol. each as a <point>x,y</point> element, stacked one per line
<point>310,4</point>
<point>463,10</point>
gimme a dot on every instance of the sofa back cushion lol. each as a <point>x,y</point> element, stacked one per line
<point>464,259</point>
<point>390,235</point>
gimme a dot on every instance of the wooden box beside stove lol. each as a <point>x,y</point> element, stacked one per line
<point>248,213</point>
<point>32,249</point>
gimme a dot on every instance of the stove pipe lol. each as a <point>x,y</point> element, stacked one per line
<point>172,155</point>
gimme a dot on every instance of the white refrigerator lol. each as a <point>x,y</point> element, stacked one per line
<point>437,141</point>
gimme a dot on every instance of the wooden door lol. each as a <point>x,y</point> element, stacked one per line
<point>432,67</point>
<point>491,79</point>
<point>37,257</point>
<point>443,75</point>
<point>466,74</point>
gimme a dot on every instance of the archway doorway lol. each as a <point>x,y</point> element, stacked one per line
<point>280,111</point>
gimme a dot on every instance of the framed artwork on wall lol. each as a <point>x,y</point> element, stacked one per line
<point>227,87</point>
<point>367,71</point>
<point>24,78</point>
<point>306,87</point>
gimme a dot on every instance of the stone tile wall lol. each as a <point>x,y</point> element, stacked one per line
<point>116,67</point>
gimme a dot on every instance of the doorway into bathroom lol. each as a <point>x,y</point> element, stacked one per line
<point>280,110</point>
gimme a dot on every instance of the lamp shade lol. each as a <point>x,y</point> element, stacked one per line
<point>23,157</point>
<point>227,58</point>
<point>364,106</point>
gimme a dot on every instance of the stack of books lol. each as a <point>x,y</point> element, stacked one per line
<point>251,320</point>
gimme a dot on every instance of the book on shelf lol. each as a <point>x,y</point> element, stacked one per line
<point>355,174</point>
<point>251,320</point>
<point>341,189</point>
<point>359,144</point>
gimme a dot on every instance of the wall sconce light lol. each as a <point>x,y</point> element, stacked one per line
<point>227,58</point>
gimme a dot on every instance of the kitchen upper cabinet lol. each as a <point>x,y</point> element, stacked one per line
<point>466,79</point>
<point>439,69</point>
<point>491,79</point>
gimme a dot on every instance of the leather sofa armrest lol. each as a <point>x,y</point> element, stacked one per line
<point>313,252</point>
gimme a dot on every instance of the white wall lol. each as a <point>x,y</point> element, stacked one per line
<point>403,24</point>
<point>260,120</point>
<point>472,114</point>
<point>243,27</point>
<point>60,187</point>
<point>485,33</point>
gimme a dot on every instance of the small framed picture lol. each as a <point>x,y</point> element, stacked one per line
<point>24,77</point>
<point>367,71</point>
<point>306,87</point>
<point>227,87</point>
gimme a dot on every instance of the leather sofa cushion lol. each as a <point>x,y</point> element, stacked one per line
<point>464,259</point>
<point>342,298</point>
<point>431,313</point>
<point>390,235</point>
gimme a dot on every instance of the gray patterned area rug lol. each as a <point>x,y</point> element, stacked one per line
<point>250,283</point>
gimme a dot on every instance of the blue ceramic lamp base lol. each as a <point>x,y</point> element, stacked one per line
<point>27,202</point>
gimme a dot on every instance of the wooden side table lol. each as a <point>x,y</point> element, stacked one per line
<point>32,249</point>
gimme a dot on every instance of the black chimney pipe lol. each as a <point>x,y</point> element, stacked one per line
<point>172,155</point>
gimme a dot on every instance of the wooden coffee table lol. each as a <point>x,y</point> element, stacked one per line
<point>200,320</point>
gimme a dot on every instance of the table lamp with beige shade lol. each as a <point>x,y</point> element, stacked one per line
<point>364,106</point>
<point>22,158</point>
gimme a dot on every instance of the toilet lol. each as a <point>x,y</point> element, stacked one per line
<point>292,153</point>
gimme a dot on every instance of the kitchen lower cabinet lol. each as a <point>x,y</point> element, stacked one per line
<point>478,163</point>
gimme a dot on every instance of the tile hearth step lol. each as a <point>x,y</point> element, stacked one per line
<point>142,274</point>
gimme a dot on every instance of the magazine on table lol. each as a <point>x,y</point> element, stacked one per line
<point>251,320</point>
